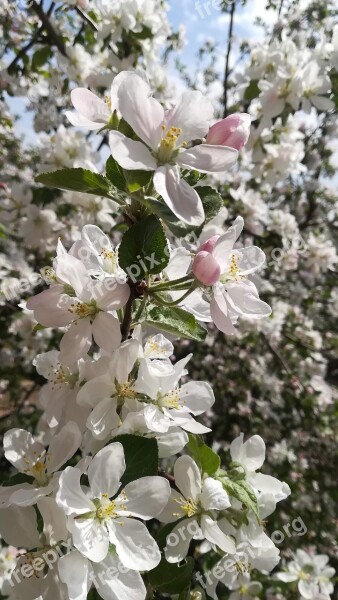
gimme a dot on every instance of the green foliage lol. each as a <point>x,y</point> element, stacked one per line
<point>144,249</point>
<point>141,455</point>
<point>208,461</point>
<point>169,578</point>
<point>77,180</point>
<point>176,321</point>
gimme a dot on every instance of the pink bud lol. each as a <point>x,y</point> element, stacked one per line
<point>233,131</point>
<point>209,245</point>
<point>205,268</point>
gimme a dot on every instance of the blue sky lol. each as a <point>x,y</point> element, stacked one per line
<point>200,24</point>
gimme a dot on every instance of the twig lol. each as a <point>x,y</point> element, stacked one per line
<point>23,50</point>
<point>127,319</point>
<point>227,60</point>
<point>53,36</point>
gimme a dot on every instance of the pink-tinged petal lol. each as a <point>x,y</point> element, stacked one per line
<point>76,342</point>
<point>129,154</point>
<point>181,198</point>
<point>106,331</point>
<point>143,113</point>
<point>72,271</point>
<point>90,106</point>
<point>109,294</point>
<point>205,268</point>
<point>243,297</point>
<point>225,242</point>
<point>208,159</point>
<point>232,131</point>
<point>220,313</point>
<point>193,114</point>
<point>209,244</point>
<point>51,307</point>
<point>78,121</point>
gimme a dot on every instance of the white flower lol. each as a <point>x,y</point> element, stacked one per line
<point>95,520</point>
<point>168,403</point>
<point>163,137</point>
<point>111,579</point>
<point>312,573</point>
<point>89,306</point>
<point>32,459</point>
<point>198,502</point>
<point>96,252</point>
<point>251,455</point>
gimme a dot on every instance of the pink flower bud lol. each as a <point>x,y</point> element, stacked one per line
<point>233,131</point>
<point>209,245</point>
<point>205,268</point>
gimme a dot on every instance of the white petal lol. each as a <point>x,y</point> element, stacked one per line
<point>27,494</point>
<point>90,538</point>
<point>250,259</point>
<point>171,442</point>
<point>103,419</point>
<point>79,121</point>
<point>178,541</point>
<point>219,311</point>
<point>90,106</point>
<point>145,498</point>
<point>188,477</point>
<point>54,520</point>
<point>20,447</point>
<point>116,582</point>
<point>208,159</point>
<point>124,359</point>
<point>134,544</point>
<point>243,297</point>
<point>110,295</point>
<point>106,469</point>
<point>76,342</point>
<point>63,446</point>
<point>213,495</point>
<point>72,271</point>
<point>225,242</point>
<point>70,496</point>
<point>215,535</point>
<point>271,485</point>
<point>106,331</point>
<point>74,570</point>
<point>197,396</point>
<point>193,114</point>
<point>18,527</point>
<point>173,511</point>
<point>51,307</point>
<point>251,454</point>
<point>130,154</point>
<point>156,420</point>
<point>143,113</point>
<point>181,198</point>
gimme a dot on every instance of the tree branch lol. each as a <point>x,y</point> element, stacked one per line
<point>52,34</point>
<point>227,60</point>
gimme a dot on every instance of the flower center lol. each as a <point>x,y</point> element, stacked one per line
<point>171,400</point>
<point>109,260</point>
<point>168,148</point>
<point>125,390</point>
<point>62,375</point>
<point>38,469</point>
<point>106,509</point>
<point>84,309</point>
<point>188,505</point>
<point>232,273</point>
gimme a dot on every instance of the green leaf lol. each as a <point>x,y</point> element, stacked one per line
<point>205,457</point>
<point>243,492</point>
<point>115,174</point>
<point>40,57</point>
<point>77,180</point>
<point>170,578</point>
<point>144,249</point>
<point>38,327</point>
<point>252,91</point>
<point>211,200</point>
<point>177,321</point>
<point>141,456</point>
<point>137,179</point>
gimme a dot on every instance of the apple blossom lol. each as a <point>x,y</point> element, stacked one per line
<point>233,131</point>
